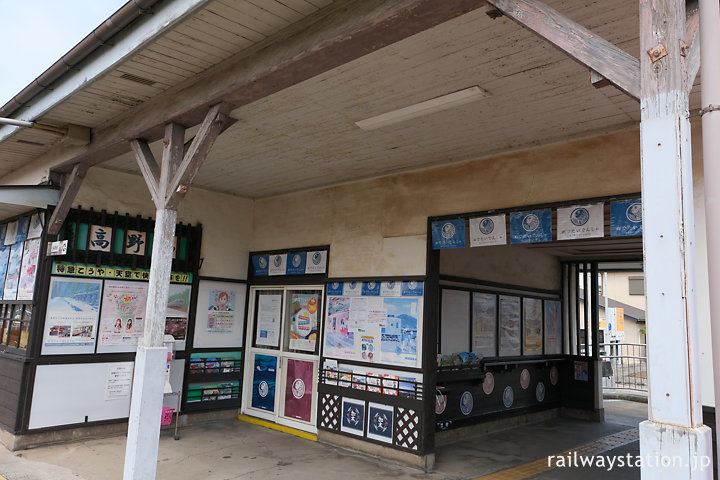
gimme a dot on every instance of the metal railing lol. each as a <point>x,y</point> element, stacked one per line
<point>624,366</point>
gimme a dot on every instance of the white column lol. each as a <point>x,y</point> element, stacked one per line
<point>141,452</point>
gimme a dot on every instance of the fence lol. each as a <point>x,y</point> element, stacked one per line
<point>624,366</point>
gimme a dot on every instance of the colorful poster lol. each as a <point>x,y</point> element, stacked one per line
<point>268,320</point>
<point>339,340</point>
<point>532,326</point>
<point>484,321</point>
<point>4,257</point>
<point>264,376</point>
<point>219,321</point>
<point>553,328</point>
<point>72,315</point>
<point>123,313</point>
<point>298,389</point>
<point>487,231</point>
<point>380,422</point>
<point>353,416</point>
<point>625,218</point>
<point>580,221</point>
<point>176,316</point>
<point>221,311</point>
<point>509,320</point>
<point>28,270</point>
<point>448,234</point>
<point>399,335</point>
<point>581,371</point>
<point>12,277</point>
<point>531,227</point>
<point>303,312</point>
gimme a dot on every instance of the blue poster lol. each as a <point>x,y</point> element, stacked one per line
<point>22,231</point>
<point>448,234</point>
<point>531,227</point>
<point>260,265</point>
<point>412,289</point>
<point>4,256</point>
<point>263,395</point>
<point>335,288</point>
<point>296,263</point>
<point>353,416</point>
<point>380,422</point>
<point>371,289</point>
<point>626,218</point>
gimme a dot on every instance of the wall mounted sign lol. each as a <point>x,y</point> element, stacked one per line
<point>380,422</point>
<point>487,231</point>
<point>580,221</point>
<point>626,218</point>
<point>100,237</point>
<point>309,262</point>
<point>531,227</point>
<point>81,270</point>
<point>448,234</point>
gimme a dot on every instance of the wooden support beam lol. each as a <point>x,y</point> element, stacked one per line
<point>618,67</point>
<point>172,159</point>
<point>691,49</point>
<point>70,188</point>
<point>149,168</point>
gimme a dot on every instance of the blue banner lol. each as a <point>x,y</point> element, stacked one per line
<point>296,263</point>
<point>22,231</point>
<point>260,265</point>
<point>353,416</point>
<point>335,288</point>
<point>448,234</point>
<point>263,394</point>
<point>412,289</point>
<point>531,227</point>
<point>626,218</point>
<point>371,289</point>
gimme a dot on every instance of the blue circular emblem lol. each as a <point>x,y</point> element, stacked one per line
<point>352,415</point>
<point>466,403</point>
<point>486,226</point>
<point>412,285</point>
<point>531,222</point>
<point>508,397</point>
<point>262,262</point>
<point>316,258</point>
<point>540,392</point>
<point>380,422</point>
<point>579,216</point>
<point>353,285</point>
<point>335,285</point>
<point>390,285</point>
<point>448,231</point>
<point>263,389</point>
<point>634,212</point>
<point>296,260</point>
<point>371,285</point>
<point>277,261</point>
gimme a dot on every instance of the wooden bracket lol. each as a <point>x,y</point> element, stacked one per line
<point>67,197</point>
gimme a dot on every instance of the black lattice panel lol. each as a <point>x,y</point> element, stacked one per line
<point>330,411</point>
<point>407,433</point>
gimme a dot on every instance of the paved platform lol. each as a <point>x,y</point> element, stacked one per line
<point>240,450</point>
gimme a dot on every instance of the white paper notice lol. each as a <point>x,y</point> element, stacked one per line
<point>316,262</point>
<point>390,289</point>
<point>487,231</point>
<point>580,221</point>
<point>278,264</point>
<point>268,320</point>
<point>119,381</point>
<point>358,313</point>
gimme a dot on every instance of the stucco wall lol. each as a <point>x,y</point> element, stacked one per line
<point>226,219</point>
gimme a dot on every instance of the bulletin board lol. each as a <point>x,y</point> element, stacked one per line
<point>220,314</point>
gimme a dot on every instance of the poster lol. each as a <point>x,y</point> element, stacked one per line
<point>118,382</point>
<point>532,326</point>
<point>4,257</point>
<point>36,225</point>
<point>13,272</point>
<point>580,221</point>
<point>353,416</point>
<point>123,313</point>
<point>219,314</point>
<point>264,375</point>
<point>625,218</point>
<point>531,227</point>
<point>11,230</point>
<point>278,264</point>
<point>380,422</point>
<point>316,262</point>
<point>509,320</point>
<point>28,270</point>
<point>298,389</point>
<point>303,311</point>
<point>484,320</point>
<point>581,371</point>
<point>269,308</point>
<point>553,328</point>
<point>176,316</point>
<point>296,263</point>
<point>339,340</point>
<point>487,231</point>
<point>399,336</point>
<point>448,234</point>
<point>221,311</point>
<point>72,315</point>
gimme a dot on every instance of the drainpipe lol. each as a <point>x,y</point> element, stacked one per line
<point>38,126</point>
<point>710,100</point>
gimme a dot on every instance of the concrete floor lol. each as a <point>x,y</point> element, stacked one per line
<point>239,450</point>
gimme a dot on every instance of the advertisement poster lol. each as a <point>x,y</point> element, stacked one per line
<point>553,328</point>
<point>72,315</point>
<point>339,340</point>
<point>298,390</point>
<point>580,221</point>
<point>12,277</point>
<point>176,317</point>
<point>484,319</point>
<point>29,269</point>
<point>532,326</point>
<point>4,257</point>
<point>487,231</point>
<point>36,225</point>
<point>264,373</point>
<point>221,311</point>
<point>509,313</point>
<point>268,320</point>
<point>123,313</point>
<point>303,312</point>
<point>398,341</point>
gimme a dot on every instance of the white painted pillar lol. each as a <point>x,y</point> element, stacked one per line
<point>673,440</point>
<point>141,451</point>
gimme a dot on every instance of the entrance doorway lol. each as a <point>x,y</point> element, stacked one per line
<point>281,365</point>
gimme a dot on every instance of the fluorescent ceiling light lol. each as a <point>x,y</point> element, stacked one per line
<point>437,104</point>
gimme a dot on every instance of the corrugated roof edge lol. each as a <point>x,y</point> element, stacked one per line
<point>118,21</point>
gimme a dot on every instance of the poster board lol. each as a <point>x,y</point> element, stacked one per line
<point>553,327</point>
<point>66,394</point>
<point>509,323</point>
<point>220,314</point>
<point>122,316</point>
<point>532,326</point>
<point>454,321</point>
<point>178,314</point>
<point>484,320</point>
<point>71,317</point>
<point>28,271</point>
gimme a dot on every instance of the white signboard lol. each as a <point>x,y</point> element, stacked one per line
<point>487,231</point>
<point>119,381</point>
<point>580,221</point>
<point>268,320</point>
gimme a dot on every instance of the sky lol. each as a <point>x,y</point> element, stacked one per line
<point>36,33</point>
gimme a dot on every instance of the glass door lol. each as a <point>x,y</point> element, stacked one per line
<point>281,367</point>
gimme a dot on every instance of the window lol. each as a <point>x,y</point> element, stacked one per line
<point>636,285</point>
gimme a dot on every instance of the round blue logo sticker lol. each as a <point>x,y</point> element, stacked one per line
<point>262,262</point>
<point>448,231</point>
<point>277,260</point>
<point>466,403</point>
<point>579,216</point>
<point>263,389</point>
<point>531,222</point>
<point>508,397</point>
<point>634,212</point>
<point>296,260</point>
<point>316,258</point>
<point>486,226</point>
<point>540,392</point>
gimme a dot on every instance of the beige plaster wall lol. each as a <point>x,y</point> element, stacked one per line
<point>378,227</point>
<point>226,219</point>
